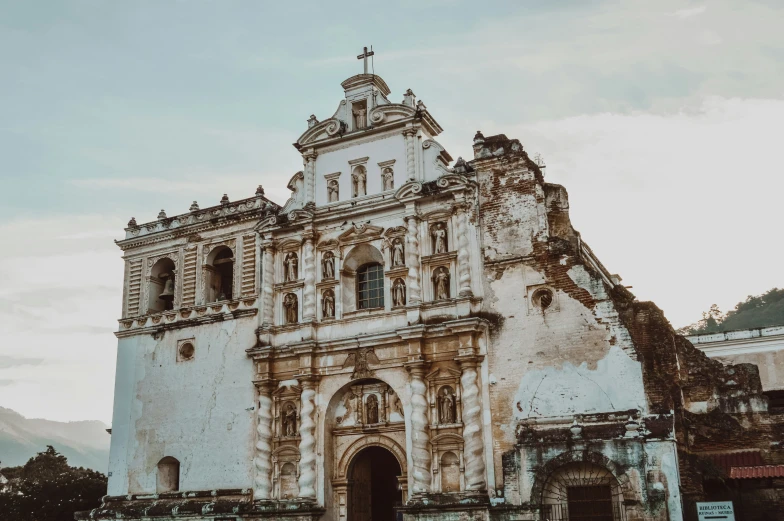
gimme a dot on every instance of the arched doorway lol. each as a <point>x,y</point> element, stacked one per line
<point>374,486</point>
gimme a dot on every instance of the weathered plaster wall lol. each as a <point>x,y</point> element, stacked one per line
<point>198,411</point>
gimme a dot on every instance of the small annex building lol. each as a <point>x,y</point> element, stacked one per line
<point>408,337</point>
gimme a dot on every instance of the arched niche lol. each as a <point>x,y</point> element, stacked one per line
<point>219,275</point>
<point>167,478</point>
<point>359,256</point>
<point>161,286</point>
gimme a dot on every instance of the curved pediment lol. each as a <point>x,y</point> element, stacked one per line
<point>410,189</point>
<point>326,129</point>
<point>389,113</point>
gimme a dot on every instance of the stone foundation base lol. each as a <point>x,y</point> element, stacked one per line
<point>464,506</point>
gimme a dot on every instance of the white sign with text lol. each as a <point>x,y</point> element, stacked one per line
<point>715,511</point>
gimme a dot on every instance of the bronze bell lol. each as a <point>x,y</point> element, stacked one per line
<point>168,289</point>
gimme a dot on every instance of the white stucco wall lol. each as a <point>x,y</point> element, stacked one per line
<point>198,411</point>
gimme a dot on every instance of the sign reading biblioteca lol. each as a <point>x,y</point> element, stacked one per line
<point>715,511</point>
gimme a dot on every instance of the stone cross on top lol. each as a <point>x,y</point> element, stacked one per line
<point>364,56</point>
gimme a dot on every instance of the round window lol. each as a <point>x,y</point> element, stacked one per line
<point>186,351</point>
<point>542,298</point>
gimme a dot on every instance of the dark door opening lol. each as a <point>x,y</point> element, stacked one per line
<point>374,488</point>
<point>590,503</point>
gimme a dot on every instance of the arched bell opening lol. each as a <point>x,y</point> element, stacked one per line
<point>219,274</point>
<point>161,286</point>
<point>374,485</point>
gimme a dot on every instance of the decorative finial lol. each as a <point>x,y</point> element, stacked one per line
<point>194,207</point>
<point>409,98</point>
<point>479,138</point>
<point>312,121</point>
<point>421,106</point>
<point>132,222</point>
<point>224,199</point>
<point>260,189</point>
<point>161,214</point>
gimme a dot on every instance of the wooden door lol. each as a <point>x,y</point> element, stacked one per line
<point>361,507</point>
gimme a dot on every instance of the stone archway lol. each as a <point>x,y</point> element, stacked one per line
<point>374,485</point>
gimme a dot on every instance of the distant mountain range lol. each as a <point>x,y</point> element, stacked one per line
<point>84,443</point>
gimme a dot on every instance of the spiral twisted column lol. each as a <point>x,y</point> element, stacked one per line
<point>412,260</point>
<point>463,255</point>
<point>420,434</point>
<point>267,282</point>
<point>309,268</point>
<point>307,443</point>
<point>472,425</point>
<point>409,136</point>
<point>262,460</point>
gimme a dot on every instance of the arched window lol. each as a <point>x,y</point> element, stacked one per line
<point>161,289</point>
<point>168,478</point>
<point>370,286</point>
<point>220,274</point>
<point>578,491</point>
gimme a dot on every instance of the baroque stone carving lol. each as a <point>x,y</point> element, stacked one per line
<point>328,265</point>
<point>290,308</point>
<point>262,484</point>
<point>371,406</point>
<point>441,283</point>
<point>412,240</point>
<point>289,421</point>
<point>463,255</point>
<point>307,444</point>
<point>388,179</point>
<point>360,359</point>
<point>398,253</point>
<point>309,269</point>
<point>333,191</point>
<point>420,436</point>
<point>446,405</point>
<point>328,304</point>
<point>438,233</point>
<point>398,293</point>
<point>472,430</point>
<point>290,262</point>
<point>359,181</point>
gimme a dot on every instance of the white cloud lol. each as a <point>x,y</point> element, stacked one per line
<point>690,11</point>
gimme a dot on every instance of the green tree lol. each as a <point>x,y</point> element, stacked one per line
<point>756,311</point>
<point>46,488</point>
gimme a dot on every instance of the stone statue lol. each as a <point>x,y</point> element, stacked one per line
<point>290,305</point>
<point>290,265</point>
<point>388,176</point>
<point>289,421</point>
<point>371,414</point>
<point>361,120</point>
<point>439,238</point>
<point>333,191</point>
<point>441,283</point>
<point>328,265</point>
<point>398,258</point>
<point>399,293</point>
<point>359,178</point>
<point>395,402</point>
<point>328,304</point>
<point>446,406</point>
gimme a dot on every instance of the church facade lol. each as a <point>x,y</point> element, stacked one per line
<point>403,339</point>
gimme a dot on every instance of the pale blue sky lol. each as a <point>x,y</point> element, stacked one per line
<point>662,119</point>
